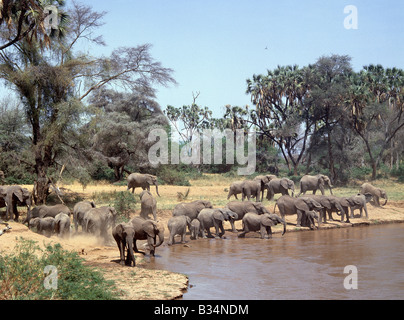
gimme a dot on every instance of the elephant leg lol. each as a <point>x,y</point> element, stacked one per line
<point>136,249</point>
<point>183,237</point>
<point>366,211</point>
<point>245,230</point>
<point>233,227</point>
<point>299,219</point>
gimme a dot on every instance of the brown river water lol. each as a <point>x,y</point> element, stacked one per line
<point>299,265</point>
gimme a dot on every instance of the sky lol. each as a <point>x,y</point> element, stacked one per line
<point>214,46</point>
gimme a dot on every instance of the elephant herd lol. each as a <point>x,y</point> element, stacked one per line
<point>197,216</point>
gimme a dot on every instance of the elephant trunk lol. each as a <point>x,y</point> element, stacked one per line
<point>161,240</point>
<point>130,253</point>
<point>385,202</point>
<point>157,189</point>
<point>284,227</point>
<point>293,191</point>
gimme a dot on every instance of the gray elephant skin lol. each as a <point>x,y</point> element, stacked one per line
<point>377,193</point>
<point>214,218</point>
<point>331,204</point>
<point>148,230</point>
<point>79,210</point>
<point>264,180</point>
<point>235,189</point>
<point>251,189</point>
<point>261,222</point>
<point>195,229</point>
<point>124,235</point>
<point>281,185</point>
<point>97,221</point>
<point>44,211</point>
<point>289,205</point>
<point>44,226</point>
<point>241,208</point>
<point>178,225</point>
<point>13,196</point>
<point>142,180</point>
<point>314,183</point>
<point>62,225</point>
<point>359,201</point>
<point>191,209</point>
<point>148,204</point>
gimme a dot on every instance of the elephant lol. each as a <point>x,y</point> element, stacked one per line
<point>331,204</point>
<point>148,204</point>
<point>79,210</point>
<point>142,180</point>
<point>264,180</point>
<point>214,218</point>
<point>43,211</point>
<point>62,225</point>
<point>97,221</point>
<point>377,193</point>
<point>241,208</point>
<point>195,229</point>
<point>308,182</point>
<point>359,202</point>
<point>44,226</point>
<point>12,196</point>
<point>308,218</point>
<point>235,189</point>
<point>124,235</point>
<point>178,225</point>
<point>279,186</point>
<point>148,230</point>
<point>290,205</point>
<point>6,229</point>
<point>261,222</point>
<point>251,188</point>
<point>191,209</point>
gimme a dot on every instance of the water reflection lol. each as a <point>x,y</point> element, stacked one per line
<point>299,265</point>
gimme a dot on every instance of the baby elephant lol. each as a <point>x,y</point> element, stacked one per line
<point>148,205</point>
<point>214,218</point>
<point>195,229</point>
<point>44,226</point>
<point>261,222</point>
<point>178,225</point>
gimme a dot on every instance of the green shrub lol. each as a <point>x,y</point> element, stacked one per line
<point>124,203</point>
<point>360,173</point>
<point>172,176</point>
<point>22,275</point>
<point>398,172</point>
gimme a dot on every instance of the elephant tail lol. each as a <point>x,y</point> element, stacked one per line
<point>276,203</point>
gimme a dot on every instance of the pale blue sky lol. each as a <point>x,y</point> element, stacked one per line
<point>215,45</point>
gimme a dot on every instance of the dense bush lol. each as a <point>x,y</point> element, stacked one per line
<point>22,275</point>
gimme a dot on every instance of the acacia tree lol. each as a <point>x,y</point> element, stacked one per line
<point>54,81</point>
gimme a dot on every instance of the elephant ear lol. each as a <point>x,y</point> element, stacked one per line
<point>267,221</point>
<point>219,215</point>
<point>284,183</point>
<point>301,204</point>
<point>19,195</point>
<point>150,228</point>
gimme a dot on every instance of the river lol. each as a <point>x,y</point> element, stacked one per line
<point>299,265</point>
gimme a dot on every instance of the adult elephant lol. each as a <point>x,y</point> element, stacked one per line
<point>124,235</point>
<point>148,230</point>
<point>241,208</point>
<point>178,225</point>
<point>97,221</point>
<point>314,183</point>
<point>359,201</point>
<point>289,205</point>
<point>235,189</point>
<point>191,209</point>
<point>62,225</point>
<point>142,180</point>
<point>261,222</point>
<point>214,218</point>
<point>44,226</point>
<point>282,186</point>
<point>148,204</point>
<point>251,188</point>
<point>264,180</point>
<point>43,211</point>
<point>331,204</point>
<point>79,210</point>
<point>13,196</point>
<point>377,193</point>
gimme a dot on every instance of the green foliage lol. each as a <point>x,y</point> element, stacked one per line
<point>124,203</point>
<point>360,173</point>
<point>172,175</point>
<point>22,275</point>
<point>398,172</point>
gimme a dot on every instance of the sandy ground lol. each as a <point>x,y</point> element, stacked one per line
<point>140,283</point>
